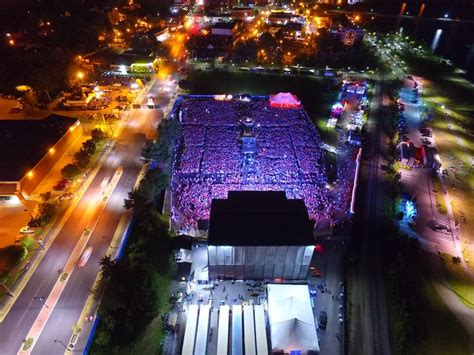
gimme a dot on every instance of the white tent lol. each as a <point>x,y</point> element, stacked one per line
<point>284,100</point>
<point>291,318</point>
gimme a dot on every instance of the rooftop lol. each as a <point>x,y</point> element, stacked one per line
<point>259,218</point>
<point>25,142</point>
<point>110,56</point>
<point>224,25</point>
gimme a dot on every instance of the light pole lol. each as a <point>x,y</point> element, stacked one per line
<point>41,244</point>
<point>9,292</point>
<point>60,342</point>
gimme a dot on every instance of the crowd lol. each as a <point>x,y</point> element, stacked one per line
<point>209,160</point>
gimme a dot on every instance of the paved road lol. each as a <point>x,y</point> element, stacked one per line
<point>68,309</point>
<point>330,264</point>
<point>369,330</point>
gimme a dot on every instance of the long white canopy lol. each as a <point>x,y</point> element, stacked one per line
<point>291,318</point>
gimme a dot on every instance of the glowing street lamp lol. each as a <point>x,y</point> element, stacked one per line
<point>80,75</point>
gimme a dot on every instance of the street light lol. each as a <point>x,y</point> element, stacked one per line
<point>80,75</point>
<point>60,342</point>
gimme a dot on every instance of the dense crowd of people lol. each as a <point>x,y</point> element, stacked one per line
<point>209,159</point>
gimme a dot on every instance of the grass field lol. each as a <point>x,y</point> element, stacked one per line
<point>441,333</point>
<point>316,94</point>
<point>460,282</point>
<point>150,341</point>
<point>456,148</point>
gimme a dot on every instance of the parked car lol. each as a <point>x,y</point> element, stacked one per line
<point>314,271</point>
<point>323,320</point>
<point>27,230</point>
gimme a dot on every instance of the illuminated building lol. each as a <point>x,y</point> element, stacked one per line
<point>30,148</point>
<point>259,235</point>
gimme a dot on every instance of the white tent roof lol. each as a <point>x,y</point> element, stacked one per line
<point>291,318</point>
<point>285,99</point>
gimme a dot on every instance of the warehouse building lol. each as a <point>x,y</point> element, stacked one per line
<point>30,148</point>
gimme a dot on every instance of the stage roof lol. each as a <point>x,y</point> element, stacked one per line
<point>291,318</point>
<point>265,218</point>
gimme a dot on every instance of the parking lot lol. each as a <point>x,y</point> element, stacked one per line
<point>432,227</point>
<point>327,290</point>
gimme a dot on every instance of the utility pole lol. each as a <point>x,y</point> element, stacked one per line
<point>60,342</point>
<point>110,125</point>
<point>9,292</point>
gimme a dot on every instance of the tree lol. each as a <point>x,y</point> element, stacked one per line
<point>267,41</point>
<point>153,224</point>
<point>98,135</point>
<point>149,152</point>
<point>30,99</point>
<point>71,171</point>
<point>81,158</point>
<point>157,181</point>
<point>107,266</point>
<point>43,216</point>
<point>89,147</point>
<point>136,199</point>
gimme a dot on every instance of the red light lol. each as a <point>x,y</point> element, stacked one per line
<point>319,248</point>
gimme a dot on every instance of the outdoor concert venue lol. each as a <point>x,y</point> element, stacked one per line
<point>247,143</point>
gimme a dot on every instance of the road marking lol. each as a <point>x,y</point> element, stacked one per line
<point>57,228</point>
<point>53,297</point>
<point>115,244</point>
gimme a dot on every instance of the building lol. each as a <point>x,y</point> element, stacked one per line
<point>242,13</point>
<point>259,235</point>
<point>30,148</point>
<point>223,29</point>
<point>279,18</point>
<point>291,319</point>
<point>348,37</point>
<point>123,61</point>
